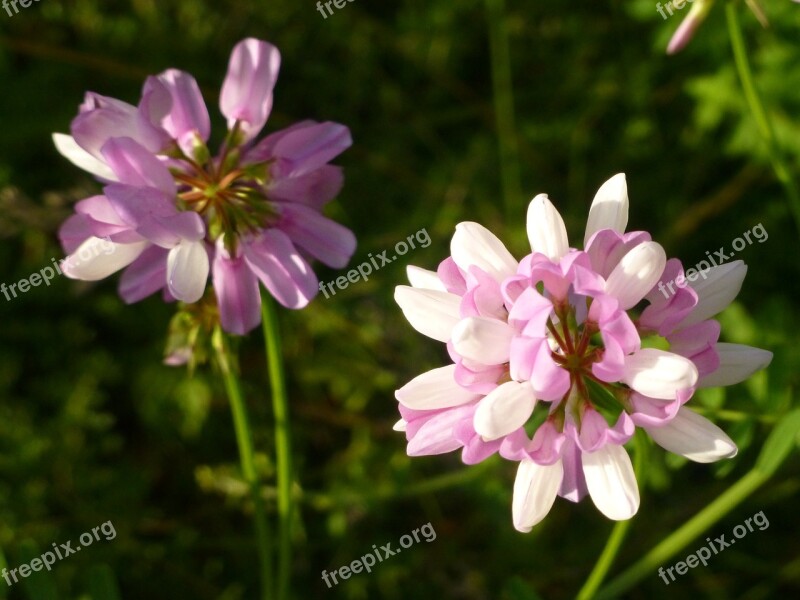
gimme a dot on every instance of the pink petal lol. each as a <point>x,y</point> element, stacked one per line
<point>247,91</point>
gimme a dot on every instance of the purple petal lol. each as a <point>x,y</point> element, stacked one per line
<point>73,232</point>
<point>135,165</point>
<point>279,266</point>
<point>188,117</point>
<point>247,92</point>
<point>314,189</point>
<point>308,148</point>
<point>102,119</point>
<point>573,485</point>
<point>145,276</point>
<point>322,238</point>
<point>238,296</point>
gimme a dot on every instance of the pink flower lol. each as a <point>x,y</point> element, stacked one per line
<point>175,213</point>
<point>553,340</point>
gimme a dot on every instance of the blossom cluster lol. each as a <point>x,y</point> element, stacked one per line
<point>558,357</point>
<point>176,214</point>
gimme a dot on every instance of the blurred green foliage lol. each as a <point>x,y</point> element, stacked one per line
<point>94,428</point>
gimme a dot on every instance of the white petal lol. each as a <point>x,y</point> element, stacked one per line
<point>611,482</point>
<point>736,363</point>
<point>609,208</point>
<point>694,437</point>
<point>716,290</point>
<point>504,409</point>
<point>473,244</point>
<point>636,274</point>
<point>424,279</point>
<point>187,271</point>
<point>658,374</point>
<point>97,258</point>
<point>546,230</point>
<point>430,312</point>
<point>535,491</point>
<point>69,149</point>
<point>484,340</point>
<point>434,389</point>
<point>400,425</point>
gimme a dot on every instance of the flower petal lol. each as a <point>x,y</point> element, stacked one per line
<point>135,165</point>
<point>473,244</point>
<point>238,296</point>
<point>247,92</point>
<point>609,208</point>
<point>736,363</point>
<point>636,274</point>
<point>188,116</point>
<point>547,233</point>
<point>97,258</point>
<point>535,490</point>
<point>504,410</point>
<point>279,266</point>
<point>308,148</point>
<point>716,289</point>
<point>482,339</point>
<point>424,279</point>
<point>324,239</point>
<point>611,482</point>
<point>694,437</point>
<point>433,390</point>
<point>146,275</point>
<point>436,435</point>
<point>187,270</point>
<point>658,374</point>
<point>430,312</point>
<point>69,149</point>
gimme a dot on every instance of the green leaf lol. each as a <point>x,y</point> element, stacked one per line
<point>39,585</point>
<point>779,443</point>
<point>103,583</point>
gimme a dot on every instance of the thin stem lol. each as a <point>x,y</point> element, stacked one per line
<point>503,94</point>
<point>283,446</point>
<point>244,439</point>
<point>760,115</point>
<point>649,563</point>
<point>617,536</point>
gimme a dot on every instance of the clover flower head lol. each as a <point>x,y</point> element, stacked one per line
<point>553,367</point>
<point>175,213</point>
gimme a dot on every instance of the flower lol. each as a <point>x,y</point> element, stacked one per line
<point>552,369</point>
<point>175,214</point>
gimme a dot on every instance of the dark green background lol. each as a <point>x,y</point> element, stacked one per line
<point>93,428</point>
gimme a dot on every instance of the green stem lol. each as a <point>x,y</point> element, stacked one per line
<point>618,533</point>
<point>648,565</point>
<point>280,407</point>
<point>503,93</point>
<point>244,439</point>
<point>760,115</point>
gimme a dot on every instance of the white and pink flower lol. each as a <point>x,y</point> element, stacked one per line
<point>549,367</point>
